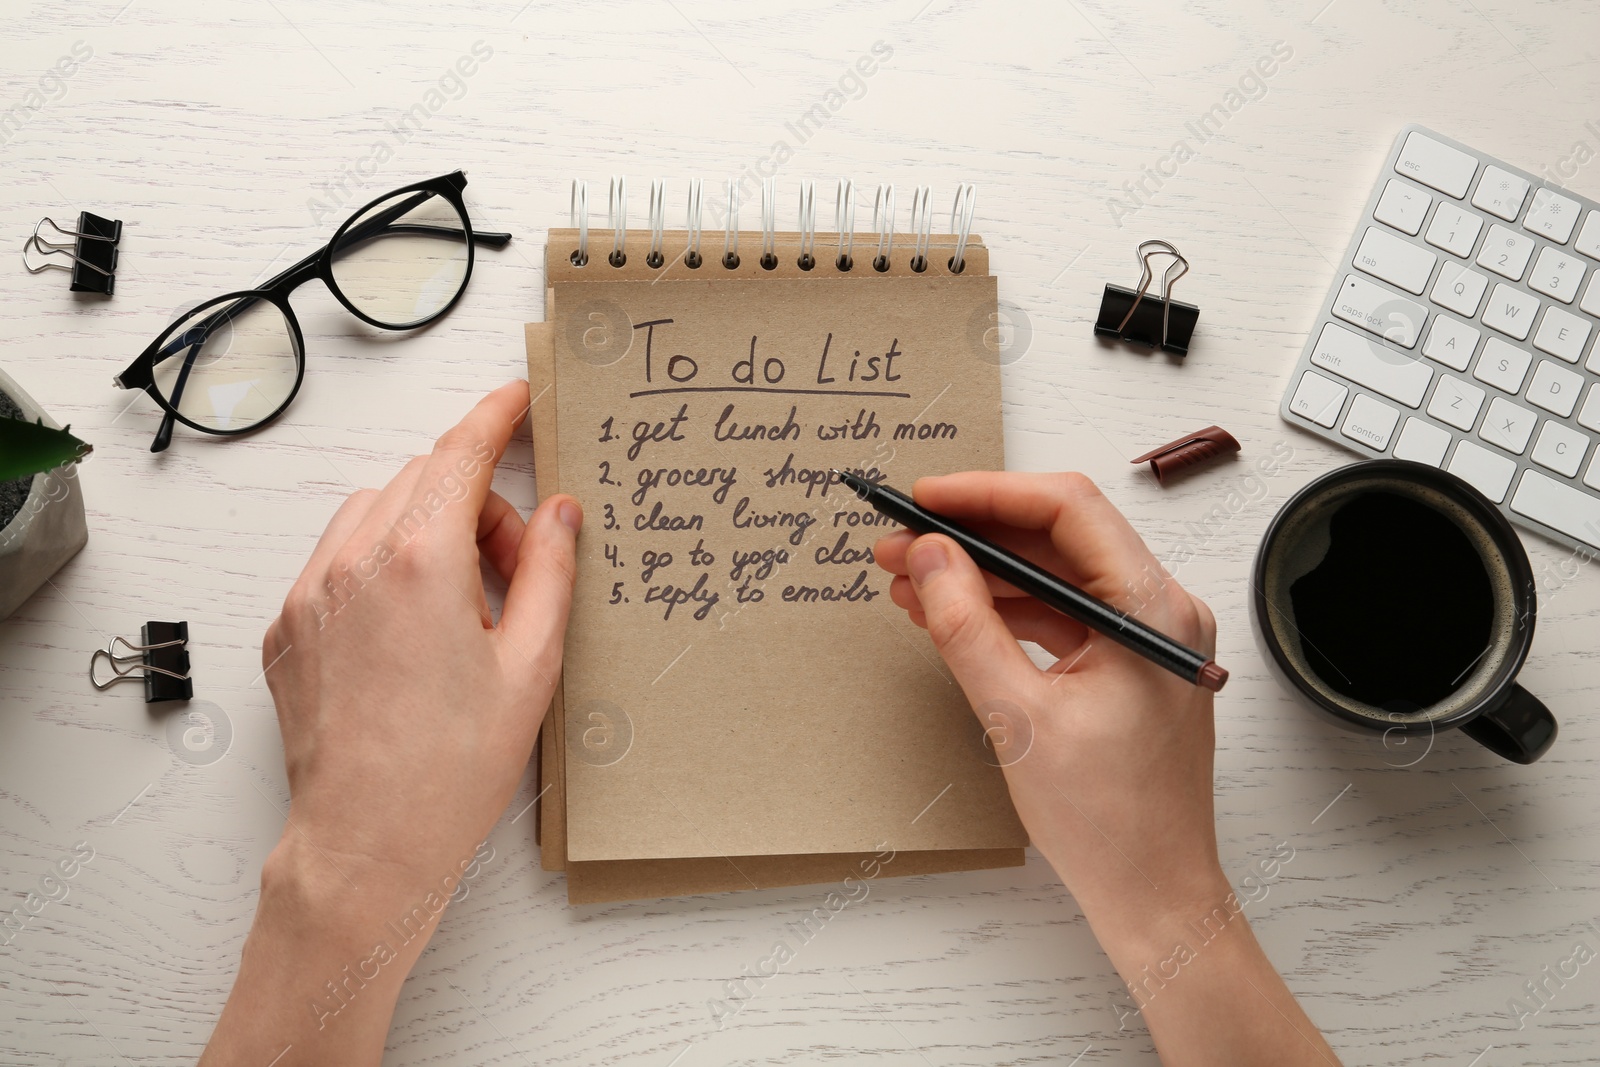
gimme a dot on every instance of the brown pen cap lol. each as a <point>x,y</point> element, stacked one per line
<point>1188,450</point>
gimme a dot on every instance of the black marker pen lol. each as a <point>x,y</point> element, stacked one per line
<point>1065,597</point>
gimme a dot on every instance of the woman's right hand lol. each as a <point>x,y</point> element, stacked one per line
<point>1108,757</point>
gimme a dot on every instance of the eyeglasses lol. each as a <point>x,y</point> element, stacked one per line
<point>399,263</point>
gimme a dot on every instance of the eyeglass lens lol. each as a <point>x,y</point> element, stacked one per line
<point>403,260</point>
<point>229,364</point>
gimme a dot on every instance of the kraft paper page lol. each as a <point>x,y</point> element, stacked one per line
<point>737,682</point>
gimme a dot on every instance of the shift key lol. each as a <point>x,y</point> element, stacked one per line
<point>1369,363</point>
<point>1377,310</point>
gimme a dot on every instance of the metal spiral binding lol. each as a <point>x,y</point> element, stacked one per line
<point>921,226</point>
<point>730,235</point>
<point>844,214</point>
<point>961,223</point>
<point>580,222</point>
<point>617,218</point>
<point>691,255</point>
<point>884,211</point>
<point>808,225</point>
<point>883,222</point>
<point>658,222</point>
<point>769,223</point>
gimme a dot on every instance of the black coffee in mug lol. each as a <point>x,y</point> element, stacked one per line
<point>1400,609</point>
<point>1396,598</point>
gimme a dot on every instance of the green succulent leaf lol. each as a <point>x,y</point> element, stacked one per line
<point>26,448</point>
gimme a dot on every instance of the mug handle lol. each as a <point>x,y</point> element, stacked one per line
<point>1521,729</point>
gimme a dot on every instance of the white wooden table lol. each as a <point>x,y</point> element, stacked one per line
<point>1420,898</point>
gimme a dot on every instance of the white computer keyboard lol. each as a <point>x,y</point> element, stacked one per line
<point>1461,331</point>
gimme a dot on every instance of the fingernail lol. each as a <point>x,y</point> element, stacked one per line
<point>570,515</point>
<point>926,561</point>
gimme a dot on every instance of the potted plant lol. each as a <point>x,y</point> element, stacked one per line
<point>42,523</point>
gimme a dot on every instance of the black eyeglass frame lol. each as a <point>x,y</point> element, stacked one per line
<point>140,374</point>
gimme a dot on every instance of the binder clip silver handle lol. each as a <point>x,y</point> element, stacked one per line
<point>158,655</point>
<point>1147,275</point>
<point>1138,316</point>
<point>93,248</point>
<point>57,248</point>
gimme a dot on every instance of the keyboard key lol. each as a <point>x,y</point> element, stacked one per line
<point>1559,506</point>
<point>1459,289</point>
<point>1450,342</point>
<point>1370,421</point>
<point>1555,388</point>
<point>1456,402</point>
<point>1590,415</point>
<point>1510,311</point>
<point>1560,448</point>
<point>1561,333</point>
<point>1487,472</point>
<point>1500,193</point>
<point>1591,477</point>
<point>1422,442</point>
<point>1318,399</point>
<point>1556,274</point>
<point>1505,252</point>
<point>1588,241</point>
<point>1551,215</point>
<point>1436,165</point>
<point>1383,255</point>
<point>1507,425</point>
<point>1377,310</point>
<point>1396,375</point>
<point>1502,366</point>
<point>1402,206</point>
<point>1454,230</point>
<point>1591,296</point>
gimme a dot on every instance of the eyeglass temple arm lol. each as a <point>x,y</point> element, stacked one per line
<point>168,422</point>
<point>381,221</point>
<point>491,238</point>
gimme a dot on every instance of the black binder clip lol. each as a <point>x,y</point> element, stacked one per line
<point>1147,320</point>
<point>162,657</point>
<point>93,251</point>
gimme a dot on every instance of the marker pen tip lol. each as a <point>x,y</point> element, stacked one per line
<point>1212,677</point>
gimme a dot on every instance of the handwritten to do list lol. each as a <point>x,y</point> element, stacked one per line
<point>728,606</point>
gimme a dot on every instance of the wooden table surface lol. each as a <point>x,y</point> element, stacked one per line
<point>1427,884</point>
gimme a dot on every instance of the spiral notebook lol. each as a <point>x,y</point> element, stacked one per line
<point>742,706</point>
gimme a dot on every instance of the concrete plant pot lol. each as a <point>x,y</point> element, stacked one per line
<point>49,527</point>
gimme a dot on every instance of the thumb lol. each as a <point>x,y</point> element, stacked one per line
<point>976,643</point>
<point>534,622</point>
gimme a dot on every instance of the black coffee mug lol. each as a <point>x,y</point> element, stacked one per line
<point>1396,599</point>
